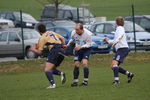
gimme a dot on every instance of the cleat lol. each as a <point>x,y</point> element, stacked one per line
<point>115,82</point>
<point>130,76</point>
<point>63,78</point>
<point>74,84</point>
<point>84,84</point>
<point>51,86</point>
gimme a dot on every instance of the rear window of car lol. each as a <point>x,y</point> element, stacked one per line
<point>30,35</point>
<point>3,36</point>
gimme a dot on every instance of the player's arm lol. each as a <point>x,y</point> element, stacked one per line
<point>37,51</point>
<point>40,46</point>
<point>117,38</point>
<point>70,41</point>
<point>72,38</point>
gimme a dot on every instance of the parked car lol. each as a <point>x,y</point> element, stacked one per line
<point>52,23</point>
<point>143,21</point>
<point>4,23</point>
<point>67,12</point>
<point>11,42</point>
<point>98,45</point>
<point>28,20</point>
<point>107,29</point>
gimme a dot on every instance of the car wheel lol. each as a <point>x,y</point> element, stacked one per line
<point>30,54</point>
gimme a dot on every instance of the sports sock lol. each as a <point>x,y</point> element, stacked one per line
<point>123,71</point>
<point>116,72</point>
<point>86,73</point>
<point>76,72</point>
<point>56,72</point>
<point>49,75</point>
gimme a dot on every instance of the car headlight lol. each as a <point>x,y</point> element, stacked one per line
<point>28,24</point>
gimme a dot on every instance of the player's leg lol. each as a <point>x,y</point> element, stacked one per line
<point>85,59</point>
<point>115,69</point>
<point>49,74</point>
<point>119,58</point>
<point>125,72</point>
<point>86,72</point>
<point>58,60</point>
<point>77,62</point>
<point>122,70</point>
<point>76,73</point>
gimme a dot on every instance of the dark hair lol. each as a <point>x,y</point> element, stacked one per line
<point>81,26</point>
<point>120,21</point>
<point>41,28</point>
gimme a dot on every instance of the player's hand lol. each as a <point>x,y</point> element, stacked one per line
<point>113,45</point>
<point>106,40</point>
<point>78,48</point>
<point>32,48</point>
<point>65,47</point>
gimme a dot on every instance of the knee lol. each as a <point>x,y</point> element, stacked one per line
<point>48,68</point>
<point>85,64</point>
<point>114,64</point>
<point>76,64</point>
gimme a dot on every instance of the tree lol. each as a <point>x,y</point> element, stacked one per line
<point>55,2</point>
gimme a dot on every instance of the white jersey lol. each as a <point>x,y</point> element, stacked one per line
<point>119,38</point>
<point>84,40</point>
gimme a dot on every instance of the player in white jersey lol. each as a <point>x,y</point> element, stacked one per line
<point>121,46</point>
<point>83,42</point>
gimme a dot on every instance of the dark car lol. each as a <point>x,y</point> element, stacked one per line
<point>98,45</point>
<point>68,12</point>
<point>11,42</point>
<point>52,23</point>
<point>28,20</point>
<point>143,21</point>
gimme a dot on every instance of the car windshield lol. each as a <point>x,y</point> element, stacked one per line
<point>83,13</point>
<point>25,17</point>
<point>30,34</point>
<point>70,29</point>
<point>129,27</point>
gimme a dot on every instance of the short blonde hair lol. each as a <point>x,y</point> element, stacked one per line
<point>120,21</point>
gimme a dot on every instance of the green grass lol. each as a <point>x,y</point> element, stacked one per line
<point>108,8</point>
<point>25,80</point>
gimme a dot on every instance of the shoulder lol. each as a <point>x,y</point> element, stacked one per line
<point>120,28</point>
<point>73,33</point>
<point>88,32</point>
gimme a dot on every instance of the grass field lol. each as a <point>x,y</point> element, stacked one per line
<point>108,8</point>
<point>25,80</point>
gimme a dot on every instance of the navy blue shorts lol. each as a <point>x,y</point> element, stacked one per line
<point>55,56</point>
<point>121,54</point>
<point>82,54</point>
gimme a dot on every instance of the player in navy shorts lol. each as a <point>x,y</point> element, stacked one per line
<point>121,46</point>
<point>83,42</point>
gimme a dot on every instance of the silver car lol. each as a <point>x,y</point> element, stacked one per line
<point>11,42</point>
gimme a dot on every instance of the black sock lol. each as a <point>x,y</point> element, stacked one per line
<point>76,72</point>
<point>56,72</point>
<point>86,73</point>
<point>123,71</point>
<point>116,72</point>
<point>49,75</point>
